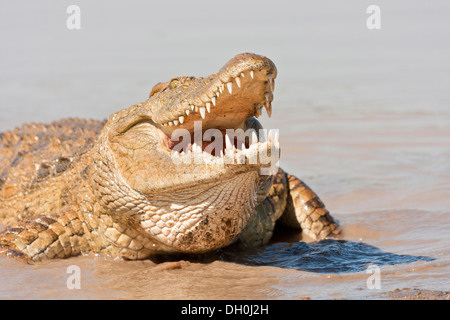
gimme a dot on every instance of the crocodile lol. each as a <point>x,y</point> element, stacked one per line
<point>124,188</point>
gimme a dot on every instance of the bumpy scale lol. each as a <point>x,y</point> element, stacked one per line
<point>112,187</point>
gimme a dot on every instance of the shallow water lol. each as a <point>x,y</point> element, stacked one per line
<point>364,119</point>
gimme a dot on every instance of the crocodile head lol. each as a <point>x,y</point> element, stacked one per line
<point>167,168</point>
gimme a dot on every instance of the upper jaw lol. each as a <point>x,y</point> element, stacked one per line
<point>223,100</point>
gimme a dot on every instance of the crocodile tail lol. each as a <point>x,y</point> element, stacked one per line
<point>39,238</point>
<point>305,211</point>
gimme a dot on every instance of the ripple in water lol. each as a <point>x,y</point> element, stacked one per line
<point>326,256</point>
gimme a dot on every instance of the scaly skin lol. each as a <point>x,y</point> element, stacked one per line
<point>114,188</point>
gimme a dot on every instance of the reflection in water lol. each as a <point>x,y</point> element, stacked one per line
<point>326,256</point>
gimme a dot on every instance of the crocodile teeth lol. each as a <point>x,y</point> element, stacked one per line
<point>192,107</point>
<point>175,122</point>
<point>276,139</point>
<point>238,82</point>
<point>181,118</point>
<point>252,74</point>
<point>170,123</point>
<point>187,111</point>
<point>213,100</point>
<point>268,106</point>
<point>208,107</point>
<point>202,112</point>
<point>230,87</point>
<point>196,148</point>
<point>217,93</point>
<point>242,75</point>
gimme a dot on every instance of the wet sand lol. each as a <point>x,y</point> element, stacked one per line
<point>364,119</point>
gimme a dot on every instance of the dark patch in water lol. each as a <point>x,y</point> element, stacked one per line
<point>326,256</point>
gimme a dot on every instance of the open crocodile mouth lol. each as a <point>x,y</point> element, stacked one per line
<point>227,100</point>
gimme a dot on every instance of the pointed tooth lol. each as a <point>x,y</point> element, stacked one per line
<point>208,107</point>
<point>238,82</point>
<point>242,75</point>
<point>230,87</point>
<point>217,94</point>
<point>213,100</point>
<point>181,118</point>
<point>175,122</point>
<point>202,112</point>
<point>268,107</point>
<point>260,106</point>
<point>252,74</point>
<point>170,123</point>
<point>187,111</point>
<point>258,111</point>
<point>192,107</point>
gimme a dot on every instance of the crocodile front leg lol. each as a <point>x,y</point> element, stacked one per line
<point>39,238</point>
